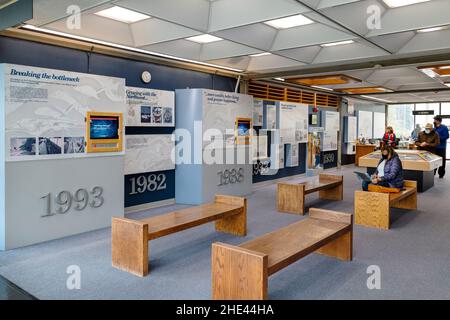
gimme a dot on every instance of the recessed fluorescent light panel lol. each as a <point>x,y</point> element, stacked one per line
<point>122,15</point>
<point>204,38</point>
<point>279,79</point>
<point>340,43</point>
<point>322,88</point>
<point>289,22</point>
<point>431,29</point>
<point>373,98</point>
<point>429,72</point>
<point>261,54</point>
<point>402,3</point>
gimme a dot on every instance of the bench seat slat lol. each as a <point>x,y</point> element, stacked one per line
<point>180,220</point>
<point>314,186</point>
<point>295,241</point>
<point>401,195</point>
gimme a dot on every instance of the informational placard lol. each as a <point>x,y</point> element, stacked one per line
<point>149,153</point>
<point>150,108</point>
<point>330,135</point>
<point>365,124</point>
<point>260,147</point>
<point>45,110</point>
<point>351,132</point>
<point>294,122</point>
<point>271,117</point>
<point>379,124</point>
<point>258,112</point>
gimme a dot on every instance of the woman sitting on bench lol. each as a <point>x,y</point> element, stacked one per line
<point>389,171</point>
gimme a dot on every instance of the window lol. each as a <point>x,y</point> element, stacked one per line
<point>401,118</point>
<point>445,111</point>
<point>423,120</point>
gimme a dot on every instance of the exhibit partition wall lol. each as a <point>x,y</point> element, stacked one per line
<point>149,168</point>
<point>213,145</point>
<point>282,137</point>
<point>54,186</point>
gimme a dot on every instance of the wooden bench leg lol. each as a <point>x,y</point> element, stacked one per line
<point>372,209</point>
<point>340,248</point>
<point>237,223</point>
<point>409,202</point>
<point>291,198</point>
<point>130,246</point>
<point>336,193</point>
<point>238,274</point>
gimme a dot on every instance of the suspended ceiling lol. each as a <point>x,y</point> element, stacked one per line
<point>241,26</point>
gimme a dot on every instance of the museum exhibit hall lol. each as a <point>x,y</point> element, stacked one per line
<point>199,151</point>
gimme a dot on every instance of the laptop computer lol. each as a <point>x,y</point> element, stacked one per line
<point>363,176</point>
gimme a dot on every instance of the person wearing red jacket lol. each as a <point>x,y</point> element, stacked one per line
<point>389,138</point>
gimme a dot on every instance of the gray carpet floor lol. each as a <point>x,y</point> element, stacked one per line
<point>414,257</point>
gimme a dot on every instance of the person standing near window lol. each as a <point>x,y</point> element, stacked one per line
<point>441,149</point>
<point>389,138</point>
<point>428,139</point>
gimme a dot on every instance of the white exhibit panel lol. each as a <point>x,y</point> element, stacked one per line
<point>260,147</point>
<point>365,124</point>
<point>149,153</point>
<point>150,108</point>
<point>293,122</point>
<point>52,186</point>
<point>351,134</point>
<point>330,135</point>
<point>214,151</point>
<point>45,111</point>
<point>292,159</point>
<point>258,112</point>
<point>271,118</point>
<point>379,125</point>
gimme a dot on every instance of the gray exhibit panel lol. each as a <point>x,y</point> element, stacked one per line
<point>199,111</point>
<point>38,193</point>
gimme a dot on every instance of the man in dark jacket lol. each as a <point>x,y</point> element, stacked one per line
<point>428,139</point>
<point>389,171</point>
<point>441,149</point>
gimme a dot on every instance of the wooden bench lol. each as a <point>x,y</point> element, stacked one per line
<point>372,209</point>
<point>291,196</point>
<point>241,272</point>
<point>130,237</point>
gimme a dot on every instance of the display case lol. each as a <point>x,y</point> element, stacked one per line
<point>417,165</point>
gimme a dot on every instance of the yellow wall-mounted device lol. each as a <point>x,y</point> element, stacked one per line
<point>243,130</point>
<point>104,132</point>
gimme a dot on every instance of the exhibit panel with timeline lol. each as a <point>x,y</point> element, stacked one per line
<point>217,127</point>
<point>67,126</point>
<point>149,163</point>
<point>417,165</point>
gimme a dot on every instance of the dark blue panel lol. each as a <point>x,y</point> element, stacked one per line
<point>16,51</point>
<point>133,197</point>
<point>329,159</point>
<point>149,130</point>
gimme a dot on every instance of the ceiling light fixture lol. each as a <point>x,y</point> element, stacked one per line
<point>432,29</point>
<point>429,72</point>
<point>289,22</point>
<point>122,15</point>
<point>122,47</point>
<point>402,3</point>
<point>260,54</point>
<point>280,79</point>
<point>204,38</point>
<point>340,43</point>
<point>377,99</point>
<point>322,88</point>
